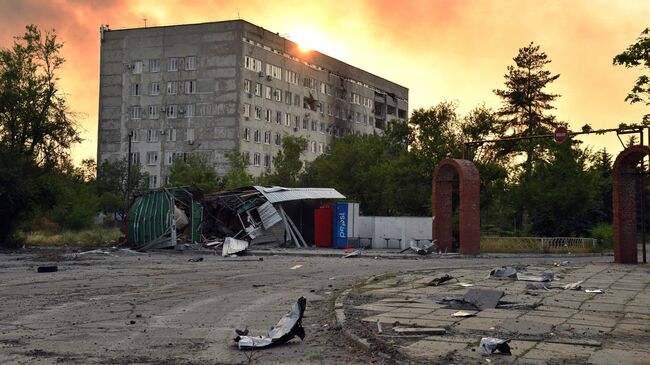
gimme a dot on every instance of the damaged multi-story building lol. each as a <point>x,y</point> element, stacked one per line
<point>171,91</point>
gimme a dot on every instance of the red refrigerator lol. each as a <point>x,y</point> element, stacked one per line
<point>323,217</point>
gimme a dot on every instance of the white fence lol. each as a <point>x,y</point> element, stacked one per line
<point>394,232</point>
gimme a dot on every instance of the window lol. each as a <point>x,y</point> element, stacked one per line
<point>267,92</point>
<point>189,135</point>
<point>152,157</point>
<point>258,112</point>
<point>288,97</point>
<point>313,125</point>
<point>322,128</point>
<point>257,136</point>
<point>312,146</point>
<point>358,117</point>
<point>154,65</point>
<point>170,110</point>
<point>330,110</point>
<point>135,157</point>
<point>277,95</point>
<point>305,123</point>
<point>152,135</point>
<point>274,71</point>
<point>189,110</point>
<point>367,102</point>
<point>172,87</point>
<point>268,115</point>
<point>321,147</point>
<point>267,137</point>
<point>278,139</point>
<point>190,87</point>
<point>256,159</point>
<point>310,83</point>
<point>355,99</point>
<point>247,110</point>
<point>252,64</point>
<point>258,89</point>
<point>153,181</point>
<point>172,64</point>
<point>292,77</point>
<point>134,135</point>
<point>137,67</point>
<point>326,89</point>
<point>153,111</point>
<point>190,63</point>
<point>287,119</point>
<point>296,100</point>
<point>247,86</point>
<point>154,88</point>
<point>296,122</point>
<point>135,112</point>
<point>365,119</point>
<point>247,134</point>
<point>278,117</point>
<point>135,90</point>
<point>171,134</point>
<point>267,160</point>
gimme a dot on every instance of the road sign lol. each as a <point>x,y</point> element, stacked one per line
<point>560,135</point>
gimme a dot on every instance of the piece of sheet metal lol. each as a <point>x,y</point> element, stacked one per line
<point>232,246</point>
<point>269,215</point>
<point>277,194</point>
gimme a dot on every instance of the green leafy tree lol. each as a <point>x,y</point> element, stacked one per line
<point>196,172</point>
<point>638,55</point>
<point>238,174</point>
<point>36,126</point>
<point>287,163</point>
<point>526,104</point>
<point>112,187</point>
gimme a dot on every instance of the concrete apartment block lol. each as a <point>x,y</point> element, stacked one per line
<point>212,88</point>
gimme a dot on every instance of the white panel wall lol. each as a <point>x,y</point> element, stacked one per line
<point>404,228</point>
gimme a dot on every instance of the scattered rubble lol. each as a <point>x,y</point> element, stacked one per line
<point>439,281</point>
<point>463,314</point>
<point>483,298</point>
<point>289,326</point>
<point>503,273</point>
<point>353,254</point>
<point>233,246</point>
<point>595,291</point>
<point>419,331</point>
<point>490,344</point>
<point>52,268</point>
<point>541,277</point>
<point>196,259</point>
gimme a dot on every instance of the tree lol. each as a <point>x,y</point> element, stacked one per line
<point>195,172</point>
<point>287,163</point>
<point>238,175</point>
<point>112,185</point>
<point>36,126</point>
<point>638,54</point>
<point>525,103</point>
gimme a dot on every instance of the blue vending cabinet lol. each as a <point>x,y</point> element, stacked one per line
<point>340,234</point>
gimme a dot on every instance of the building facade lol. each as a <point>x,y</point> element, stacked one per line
<point>170,92</point>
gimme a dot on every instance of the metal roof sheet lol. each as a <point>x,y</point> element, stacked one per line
<point>277,194</point>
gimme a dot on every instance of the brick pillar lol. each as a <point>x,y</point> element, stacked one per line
<point>469,209</point>
<point>624,204</point>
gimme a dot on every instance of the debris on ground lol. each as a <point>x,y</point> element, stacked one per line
<point>563,263</point>
<point>595,291</point>
<point>483,298</point>
<point>419,331</point>
<point>196,259</point>
<point>213,244</point>
<point>503,273</point>
<point>541,277</point>
<point>52,268</point>
<point>440,280</point>
<point>289,326</point>
<point>464,285</point>
<point>295,267</point>
<point>463,314</point>
<point>232,246</point>
<point>573,286</point>
<point>426,249</point>
<point>490,344</point>
<point>353,254</point>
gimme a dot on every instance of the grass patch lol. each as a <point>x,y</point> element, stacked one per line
<point>98,236</point>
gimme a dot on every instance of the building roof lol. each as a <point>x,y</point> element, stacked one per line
<point>277,194</point>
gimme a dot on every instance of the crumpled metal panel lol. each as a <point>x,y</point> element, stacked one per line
<point>277,194</point>
<point>269,215</point>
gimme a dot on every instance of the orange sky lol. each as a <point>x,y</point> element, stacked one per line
<point>441,50</point>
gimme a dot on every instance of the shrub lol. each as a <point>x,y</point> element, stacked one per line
<point>604,233</point>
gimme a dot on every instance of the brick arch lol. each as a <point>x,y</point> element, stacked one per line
<point>469,210</point>
<point>625,199</point>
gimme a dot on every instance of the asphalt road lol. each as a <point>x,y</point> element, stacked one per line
<point>158,308</point>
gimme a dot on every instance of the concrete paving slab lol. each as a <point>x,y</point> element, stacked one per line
<point>617,356</point>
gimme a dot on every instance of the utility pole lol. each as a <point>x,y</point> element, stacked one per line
<point>128,171</point>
